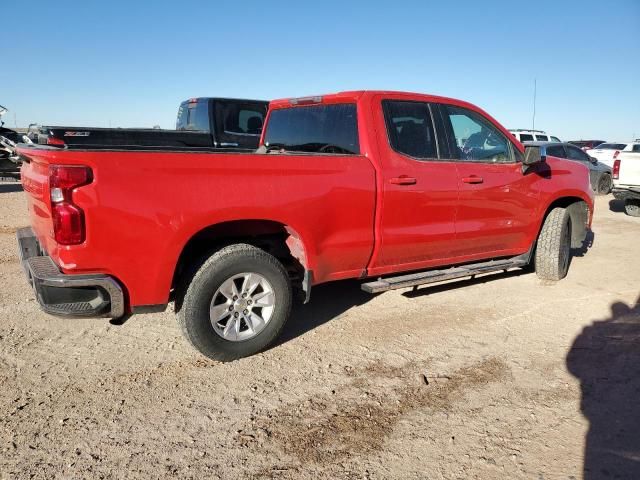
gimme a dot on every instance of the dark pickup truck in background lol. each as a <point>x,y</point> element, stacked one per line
<point>202,123</point>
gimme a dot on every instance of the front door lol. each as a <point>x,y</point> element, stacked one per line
<point>496,202</point>
<point>419,190</point>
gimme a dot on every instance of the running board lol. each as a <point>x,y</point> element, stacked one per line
<point>434,276</point>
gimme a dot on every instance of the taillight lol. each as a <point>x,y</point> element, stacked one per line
<point>615,154</point>
<point>55,141</point>
<point>68,218</point>
<point>616,170</point>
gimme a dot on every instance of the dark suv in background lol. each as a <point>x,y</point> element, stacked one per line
<point>586,144</point>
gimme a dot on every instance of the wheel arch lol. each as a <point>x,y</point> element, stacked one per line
<point>277,238</point>
<point>580,210</point>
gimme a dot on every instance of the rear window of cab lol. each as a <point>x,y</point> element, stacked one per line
<point>319,128</point>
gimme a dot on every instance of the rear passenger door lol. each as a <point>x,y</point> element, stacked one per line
<point>419,188</point>
<point>496,200</point>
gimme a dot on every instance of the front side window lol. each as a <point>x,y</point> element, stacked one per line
<point>410,128</point>
<point>554,139</point>
<point>556,151</point>
<point>476,138</point>
<point>636,147</point>
<point>314,129</point>
<point>574,153</point>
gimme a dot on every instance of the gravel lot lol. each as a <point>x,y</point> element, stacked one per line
<point>500,377</point>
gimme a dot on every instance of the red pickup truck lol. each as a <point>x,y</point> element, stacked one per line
<point>399,188</point>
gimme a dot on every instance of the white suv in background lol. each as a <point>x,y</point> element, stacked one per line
<point>533,136</point>
<point>607,152</point>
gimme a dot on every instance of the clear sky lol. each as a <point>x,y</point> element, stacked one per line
<point>130,63</point>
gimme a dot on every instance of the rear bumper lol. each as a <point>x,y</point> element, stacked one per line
<point>86,295</point>
<point>626,193</point>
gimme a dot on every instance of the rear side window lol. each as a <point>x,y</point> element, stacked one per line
<point>476,138</point>
<point>556,151</point>
<point>542,138</point>
<point>410,128</point>
<point>238,123</point>
<point>314,129</point>
<point>193,116</point>
<point>636,148</point>
<point>525,137</point>
<point>242,121</point>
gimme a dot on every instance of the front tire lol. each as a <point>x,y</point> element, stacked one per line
<point>553,250</point>
<point>632,207</point>
<point>236,304</point>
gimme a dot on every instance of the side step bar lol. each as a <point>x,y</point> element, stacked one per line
<point>434,276</point>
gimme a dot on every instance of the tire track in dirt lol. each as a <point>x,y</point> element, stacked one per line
<point>325,430</point>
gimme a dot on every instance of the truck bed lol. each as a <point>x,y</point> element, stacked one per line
<point>126,138</point>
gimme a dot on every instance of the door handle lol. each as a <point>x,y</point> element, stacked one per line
<point>472,179</point>
<point>403,180</point>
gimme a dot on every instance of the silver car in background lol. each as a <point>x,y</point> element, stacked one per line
<point>600,174</point>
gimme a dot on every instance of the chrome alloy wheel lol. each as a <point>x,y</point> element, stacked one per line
<point>242,306</point>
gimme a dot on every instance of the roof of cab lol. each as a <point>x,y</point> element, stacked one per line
<point>353,96</point>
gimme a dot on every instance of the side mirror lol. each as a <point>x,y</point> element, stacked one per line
<point>593,160</point>
<point>532,155</point>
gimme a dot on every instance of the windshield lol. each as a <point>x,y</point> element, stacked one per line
<point>314,128</point>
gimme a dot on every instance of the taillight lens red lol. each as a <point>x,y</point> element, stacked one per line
<point>55,141</point>
<point>616,170</point>
<point>68,224</point>
<point>68,218</point>
<point>615,154</point>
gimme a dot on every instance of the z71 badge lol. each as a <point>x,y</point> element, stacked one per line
<point>76,134</point>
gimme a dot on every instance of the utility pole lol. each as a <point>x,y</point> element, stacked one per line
<point>15,120</point>
<point>533,126</point>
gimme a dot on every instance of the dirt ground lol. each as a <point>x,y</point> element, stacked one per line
<point>499,377</point>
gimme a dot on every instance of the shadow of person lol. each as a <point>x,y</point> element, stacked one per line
<point>605,357</point>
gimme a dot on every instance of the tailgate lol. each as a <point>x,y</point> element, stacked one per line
<point>35,181</point>
<point>629,170</point>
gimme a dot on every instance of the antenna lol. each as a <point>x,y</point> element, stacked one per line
<point>533,126</point>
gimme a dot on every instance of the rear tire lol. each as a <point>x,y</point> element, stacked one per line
<point>632,207</point>
<point>553,250</point>
<point>225,270</point>
<point>605,184</point>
